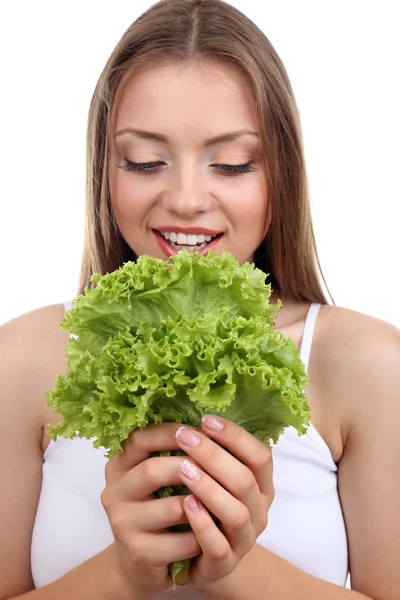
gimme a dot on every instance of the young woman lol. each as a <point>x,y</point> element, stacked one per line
<point>194,141</point>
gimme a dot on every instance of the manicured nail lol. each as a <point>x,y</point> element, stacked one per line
<point>212,423</point>
<point>187,437</point>
<point>192,503</point>
<point>189,470</point>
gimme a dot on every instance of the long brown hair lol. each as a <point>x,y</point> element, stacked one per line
<point>195,30</point>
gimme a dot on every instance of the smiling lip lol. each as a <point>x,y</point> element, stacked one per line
<point>187,230</point>
<point>170,250</point>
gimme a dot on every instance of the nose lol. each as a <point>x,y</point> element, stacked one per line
<point>186,194</point>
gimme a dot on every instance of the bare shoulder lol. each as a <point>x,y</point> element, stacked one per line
<point>357,331</point>
<point>24,338</point>
<point>354,342</point>
<point>32,349</point>
<point>356,363</point>
<point>359,361</point>
<point>46,319</point>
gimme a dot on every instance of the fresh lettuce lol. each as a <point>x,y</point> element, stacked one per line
<point>159,341</point>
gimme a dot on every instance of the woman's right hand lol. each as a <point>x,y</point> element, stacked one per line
<point>140,521</point>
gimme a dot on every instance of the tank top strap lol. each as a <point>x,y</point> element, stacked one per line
<point>68,305</point>
<point>308,333</point>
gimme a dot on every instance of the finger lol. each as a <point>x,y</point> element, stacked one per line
<point>153,516</point>
<point>141,482</point>
<point>234,516</point>
<point>247,448</point>
<point>140,445</point>
<point>216,551</point>
<point>161,549</point>
<point>158,514</point>
<point>230,473</point>
<point>176,546</point>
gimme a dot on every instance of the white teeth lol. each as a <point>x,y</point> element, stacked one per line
<point>190,248</point>
<point>187,240</point>
<point>181,239</point>
<point>191,240</point>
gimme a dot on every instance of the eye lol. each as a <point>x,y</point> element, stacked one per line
<point>146,168</point>
<point>150,168</point>
<point>235,169</point>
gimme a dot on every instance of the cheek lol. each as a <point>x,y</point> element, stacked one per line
<point>249,199</point>
<point>127,198</point>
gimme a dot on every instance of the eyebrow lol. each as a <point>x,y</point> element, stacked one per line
<point>225,137</point>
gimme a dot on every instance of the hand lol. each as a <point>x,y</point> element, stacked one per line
<point>237,492</point>
<point>140,521</point>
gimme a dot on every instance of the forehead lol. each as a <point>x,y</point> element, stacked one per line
<point>213,94</point>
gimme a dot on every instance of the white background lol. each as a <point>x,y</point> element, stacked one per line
<point>343,58</point>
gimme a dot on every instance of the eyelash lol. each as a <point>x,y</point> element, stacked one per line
<point>151,168</point>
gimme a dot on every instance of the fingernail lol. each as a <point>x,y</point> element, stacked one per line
<point>212,423</point>
<point>192,503</point>
<point>189,470</point>
<point>187,437</point>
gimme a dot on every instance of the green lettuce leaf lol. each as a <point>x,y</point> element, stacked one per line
<point>160,341</point>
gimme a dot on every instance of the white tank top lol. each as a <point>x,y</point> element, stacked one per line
<point>305,524</point>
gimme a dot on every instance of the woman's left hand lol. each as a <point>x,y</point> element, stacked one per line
<point>234,487</point>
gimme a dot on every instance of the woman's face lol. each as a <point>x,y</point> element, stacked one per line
<point>186,166</point>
